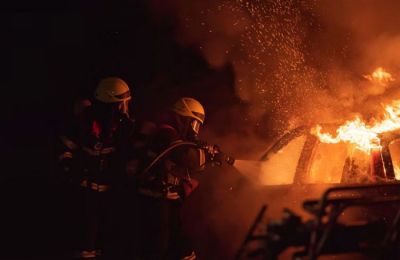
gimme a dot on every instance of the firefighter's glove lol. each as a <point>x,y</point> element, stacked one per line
<point>216,157</point>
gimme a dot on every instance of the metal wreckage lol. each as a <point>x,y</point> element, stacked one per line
<point>353,219</point>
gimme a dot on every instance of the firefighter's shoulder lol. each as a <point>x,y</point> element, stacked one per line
<point>167,133</point>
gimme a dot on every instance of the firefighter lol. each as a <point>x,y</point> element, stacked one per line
<point>93,147</point>
<point>174,153</point>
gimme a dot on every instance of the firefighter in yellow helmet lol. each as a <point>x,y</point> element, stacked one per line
<point>191,116</point>
<point>92,151</point>
<point>175,154</point>
<point>115,92</point>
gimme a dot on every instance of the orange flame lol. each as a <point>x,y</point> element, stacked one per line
<point>380,76</point>
<point>364,136</point>
<point>397,172</point>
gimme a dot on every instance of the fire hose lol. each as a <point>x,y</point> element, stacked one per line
<point>210,149</point>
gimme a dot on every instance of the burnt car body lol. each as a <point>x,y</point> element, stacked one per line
<point>381,162</point>
<point>347,203</point>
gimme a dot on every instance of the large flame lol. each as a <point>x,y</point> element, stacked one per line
<point>380,76</point>
<point>364,136</point>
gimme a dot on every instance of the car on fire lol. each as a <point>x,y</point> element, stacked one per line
<point>299,157</point>
<point>338,200</point>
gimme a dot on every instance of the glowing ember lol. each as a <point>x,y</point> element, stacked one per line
<point>364,136</point>
<point>380,76</point>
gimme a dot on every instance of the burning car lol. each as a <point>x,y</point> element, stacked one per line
<point>300,157</point>
<point>354,169</point>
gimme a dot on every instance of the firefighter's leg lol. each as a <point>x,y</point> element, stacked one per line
<point>130,223</point>
<point>180,246</point>
<point>90,226</point>
<point>74,207</point>
<point>109,217</point>
<point>154,228</point>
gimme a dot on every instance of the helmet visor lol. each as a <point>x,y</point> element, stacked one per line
<point>195,124</point>
<point>126,95</point>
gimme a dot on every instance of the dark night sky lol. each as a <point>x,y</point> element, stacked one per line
<point>62,50</point>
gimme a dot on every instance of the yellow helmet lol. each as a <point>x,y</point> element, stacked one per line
<point>189,107</point>
<point>111,90</point>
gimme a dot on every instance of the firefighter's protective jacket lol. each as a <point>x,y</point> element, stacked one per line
<point>171,177</point>
<point>92,156</point>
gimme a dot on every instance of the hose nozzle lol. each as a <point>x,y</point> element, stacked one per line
<point>216,154</point>
<point>229,160</point>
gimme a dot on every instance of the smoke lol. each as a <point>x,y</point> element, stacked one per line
<point>297,62</point>
<point>372,33</point>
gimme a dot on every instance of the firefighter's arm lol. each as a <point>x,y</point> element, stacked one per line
<point>66,158</point>
<point>139,153</point>
<point>66,149</point>
<point>195,158</point>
